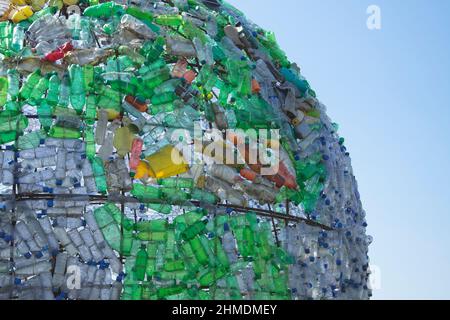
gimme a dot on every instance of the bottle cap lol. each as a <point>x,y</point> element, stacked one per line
<point>226,227</point>
<point>47,190</point>
<point>41,141</point>
<point>59,182</point>
<point>50,203</point>
<point>120,277</point>
<point>61,296</point>
<point>103,265</point>
<point>17,281</point>
<point>39,254</point>
<point>27,255</point>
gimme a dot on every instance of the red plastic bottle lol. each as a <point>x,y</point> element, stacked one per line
<point>59,53</point>
<point>136,150</point>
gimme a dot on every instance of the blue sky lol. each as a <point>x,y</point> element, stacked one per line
<point>389,90</point>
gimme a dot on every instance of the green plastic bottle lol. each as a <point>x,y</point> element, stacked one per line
<point>146,194</point>
<point>187,183</point>
<point>159,225</point>
<point>109,228</point>
<point>8,136</point>
<point>38,91</point>
<point>45,113</point>
<point>13,83</point>
<point>11,121</point>
<point>64,133</point>
<point>77,93</point>
<point>132,55</point>
<point>104,10</point>
<point>30,140</point>
<point>170,291</point>
<point>153,50</point>
<point>204,196</point>
<point>99,174</point>
<point>210,276</point>
<point>29,84</point>
<point>89,138</point>
<point>141,264</point>
<point>193,230</point>
<point>3,91</point>
<point>155,78</point>
<point>199,252</point>
<point>91,110</point>
<point>175,195</point>
<point>126,243</point>
<point>152,236</point>
<point>53,90</point>
<point>174,20</point>
<point>160,207</point>
<point>127,223</point>
<point>145,17</point>
<point>88,77</point>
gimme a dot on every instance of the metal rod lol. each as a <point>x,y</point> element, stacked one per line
<point>100,199</point>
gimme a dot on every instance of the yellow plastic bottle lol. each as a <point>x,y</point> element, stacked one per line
<point>143,171</point>
<point>168,162</point>
<point>20,14</point>
<point>19,2</point>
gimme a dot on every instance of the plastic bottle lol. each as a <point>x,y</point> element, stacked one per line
<point>53,90</point>
<point>77,93</point>
<point>99,174</point>
<point>136,151</point>
<point>13,83</point>
<point>64,91</point>
<point>29,84</point>
<point>123,140</point>
<point>100,130</point>
<point>107,147</point>
<point>103,10</point>
<point>169,20</point>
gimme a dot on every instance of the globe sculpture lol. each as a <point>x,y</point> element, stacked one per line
<point>167,150</point>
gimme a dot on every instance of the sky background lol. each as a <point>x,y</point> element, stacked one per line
<point>390,92</point>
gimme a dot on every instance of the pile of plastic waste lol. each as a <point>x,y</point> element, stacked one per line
<point>136,138</point>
